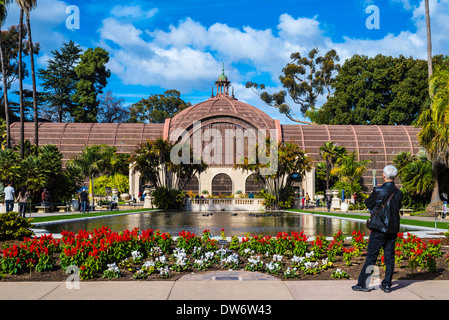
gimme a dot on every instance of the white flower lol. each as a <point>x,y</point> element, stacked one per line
<point>209,255</point>
<point>310,265</point>
<point>298,259</point>
<point>113,267</point>
<point>136,254</point>
<point>277,257</point>
<point>199,262</point>
<point>310,254</point>
<point>163,270</point>
<point>148,264</point>
<point>248,250</point>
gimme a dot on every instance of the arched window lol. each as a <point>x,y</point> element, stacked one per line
<point>193,185</point>
<point>221,183</point>
<point>253,185</point>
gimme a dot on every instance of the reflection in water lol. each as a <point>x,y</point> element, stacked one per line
<point>234,225</point>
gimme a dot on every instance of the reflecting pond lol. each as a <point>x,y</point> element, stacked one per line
<point>234,223</point>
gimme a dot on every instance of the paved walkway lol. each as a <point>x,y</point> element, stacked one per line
<point>221,285</point>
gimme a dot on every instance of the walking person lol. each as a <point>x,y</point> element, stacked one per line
<point>384,204</point>
<point>307,200</point>
<point>9,197</point>
<point>22,199</point>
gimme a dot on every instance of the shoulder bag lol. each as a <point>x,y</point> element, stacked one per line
<point>378,210</point>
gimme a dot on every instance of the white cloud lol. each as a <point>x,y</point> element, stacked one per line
<point>132,11</point>
<point>189,55</point>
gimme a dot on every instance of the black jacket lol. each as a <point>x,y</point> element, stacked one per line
<point>388,219</point>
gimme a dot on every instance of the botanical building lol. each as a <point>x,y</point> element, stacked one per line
<point>224,116</point>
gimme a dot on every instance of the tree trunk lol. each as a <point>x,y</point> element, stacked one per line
<point>5,96</point>
<point>429,40</point>
<point>22,126</point>
<point>435,200</point>
<point>33,77</point>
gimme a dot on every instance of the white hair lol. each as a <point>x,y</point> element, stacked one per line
<point>390,172</point>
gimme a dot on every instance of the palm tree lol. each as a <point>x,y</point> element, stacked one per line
<point>92,162</point>
<point>434,135</point>
<point>429,39</point>
<point>350,171</point>
<point>31,5</point>
<point>330,153</point>
<point>22,126</point>
<point>25,7</point>
<point>3,13</point>
<point>9,166</point>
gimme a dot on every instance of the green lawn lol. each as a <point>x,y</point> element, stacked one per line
<point>84,215</point>
<point>429,224</point>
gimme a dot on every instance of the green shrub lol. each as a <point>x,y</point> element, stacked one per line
<point>165,198</point>
<point>13,226</point>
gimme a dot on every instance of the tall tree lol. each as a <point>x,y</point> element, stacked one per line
<point>22,125</point>
<point>111,109</point>
<point>3,11</point>
<point>27,6</point>
<point>59,79</point>
<point>290,160</point>
<point>330,153</point>
<point>153,160</point>
<point>93,75</point>
<point>382,90</point>
<point>157,107</point>
<point>434,135</point>
<point>350,171</point>
<point>304,78</point>
<point>429,39</point>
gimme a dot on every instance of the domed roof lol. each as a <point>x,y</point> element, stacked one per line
<point>222,108</point>
<point>222,77</point>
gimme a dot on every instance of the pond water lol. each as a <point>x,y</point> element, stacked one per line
<point>234,223</point>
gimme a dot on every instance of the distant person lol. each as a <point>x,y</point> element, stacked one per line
<point>307,200</point>
<point>328,202</point>
<point>384,204</point>
<point>83,201</point>
<point>22,199</point>
<point>9,197</point>
<point>302,202</point>
<point>44,197</point>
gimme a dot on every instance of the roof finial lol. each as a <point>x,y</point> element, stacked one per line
<point>223,68</point>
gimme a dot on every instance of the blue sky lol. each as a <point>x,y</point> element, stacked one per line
<point>159,45</point>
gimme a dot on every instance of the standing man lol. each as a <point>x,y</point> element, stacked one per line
<point>9,197</point>
<point>384,204</point>
<point>83,200</point>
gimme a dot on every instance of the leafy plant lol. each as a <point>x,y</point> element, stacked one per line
<point>14,226</point>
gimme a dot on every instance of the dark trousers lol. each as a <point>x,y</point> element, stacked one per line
<point>9,205</point>
<point>378,240</point>
<point>22,208</point>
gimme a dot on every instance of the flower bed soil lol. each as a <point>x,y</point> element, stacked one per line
<point>400,273</point>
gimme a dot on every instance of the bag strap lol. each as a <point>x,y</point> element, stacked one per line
<point>382,206</point>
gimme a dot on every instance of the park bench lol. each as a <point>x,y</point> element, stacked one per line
<point>43,209</point>
<point>62,209</point>
<point>406,212</point>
